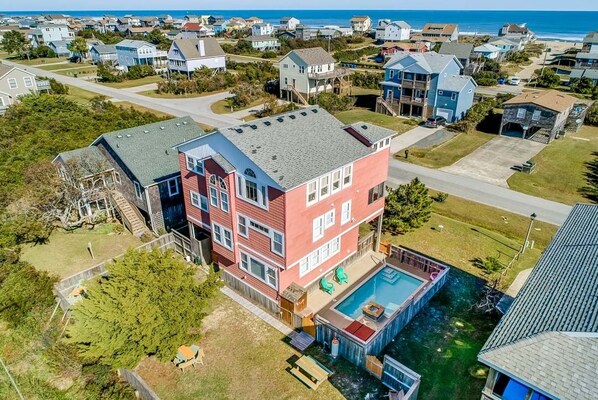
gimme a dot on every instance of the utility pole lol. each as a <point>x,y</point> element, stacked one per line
<point>529,230</point>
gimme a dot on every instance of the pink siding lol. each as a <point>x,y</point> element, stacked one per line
<point>197,183</point>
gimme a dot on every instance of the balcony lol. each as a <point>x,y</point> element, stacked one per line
<point>421,85</point>
<point>336,73</point>
<point>420,101</point>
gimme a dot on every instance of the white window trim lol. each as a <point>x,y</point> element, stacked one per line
<point>246,225</point>
<point>195,162</point>
<point>222,202</point>
<point>329,215</point>
<point>272,233</point>
<point>340,181</point>
<point>266,265</point>
<point>318,223</point>
<point>201,198</point>
<point>318,184</point>
<point>350,168</point>
<point>28,81</point>
<point>176,184</point>
<point>262,192</point>
<point>12,81</point>
<point>222,241</point>
<point>138,192</point>
<point>213,199</point>
<point>346,206</point>
<point>269,234</point>
<point>317,255</point>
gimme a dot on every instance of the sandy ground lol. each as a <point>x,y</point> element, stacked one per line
<point>556,47</point>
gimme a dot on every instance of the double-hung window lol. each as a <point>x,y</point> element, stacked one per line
<point>324,186</point>
<point>213,197</point>
<point>224,201</point>
<point>329,218</point>
<point>222,236</point>
<point>312,192</point>
<point>12,83</point>
<point>347,175</point>
<point>336,180</point>
<point>28,81</point>
<point>536,115</point>
<point>251,191</point>
<point>346,212</point>
<point>138,191</point>
<point>521,112</point>
<point>199,201</point>
<point>195,165</point>
<point>242,226</point>
<point>259,270</point>
<point>173,187</point>
<point>277,243</point>
<point>376,193</point>
<point>318,228</point>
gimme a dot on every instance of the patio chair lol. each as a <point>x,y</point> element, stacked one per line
<point>199,354</point>
<point>326,286</point>
<point>341,275</point>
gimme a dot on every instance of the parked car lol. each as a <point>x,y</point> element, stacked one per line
<point>514,81</point>
<point>435,121</point>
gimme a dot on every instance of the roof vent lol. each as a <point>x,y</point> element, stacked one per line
<point>314,110</point>
<point>128,135</point>
<point>267,123</point>
<point>253,126</point>
<point>239,130</point>
<point>166,151</point>
<point>162,128</point>
<point>303,113</point>
<point>119,136</point>
<point>279,119</point>
<point>292,116</point>
<point>146,131</point>
<point>364,126</point>
<point>184,122</point>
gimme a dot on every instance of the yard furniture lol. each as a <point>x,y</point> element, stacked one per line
<point>183,366</point>
<point>341,276</point>
<point>187,352</point>
<point>311,372</point>
<point>327,286</point>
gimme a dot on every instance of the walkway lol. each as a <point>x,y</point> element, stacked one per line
<point>478,191</point>
<point>197,108</point>
<point>411,137</point>
<point>258,312</point>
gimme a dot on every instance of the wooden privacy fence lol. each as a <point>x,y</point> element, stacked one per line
<point>400,378</point>
<point>142,389</point>
<point>374,366</point>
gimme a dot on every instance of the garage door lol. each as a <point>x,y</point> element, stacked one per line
<point>446,113</point>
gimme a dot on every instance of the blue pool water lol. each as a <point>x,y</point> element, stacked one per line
<point>389,288</point>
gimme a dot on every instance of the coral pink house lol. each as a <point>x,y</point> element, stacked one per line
<point>283,197</point>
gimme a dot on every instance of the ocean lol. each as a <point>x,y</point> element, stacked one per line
<point>559,25</point>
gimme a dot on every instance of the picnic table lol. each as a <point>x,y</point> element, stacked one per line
<point>187,352</point>
<point>310,371</point>
<point>188,356</point>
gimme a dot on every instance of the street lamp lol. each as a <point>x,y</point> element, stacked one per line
<point>529,230</point>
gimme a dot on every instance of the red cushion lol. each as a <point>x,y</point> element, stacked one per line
<point>364,332</point>
<point>353,327</point>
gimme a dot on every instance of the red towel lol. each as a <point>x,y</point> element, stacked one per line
<point>364,332</point>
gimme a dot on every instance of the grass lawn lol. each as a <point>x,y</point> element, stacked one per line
<point>65,66</point>
<point>86,70</point>
<point>221,106</point>
<point>80,95</point>
<point>449,152</point>
<point>560,168</point>
<point>37,61</point>
<point>153,93</point>
<point>399,125</point>
<point>442,342</point>
<point>135,82</point>
<point>66,252</point>
<point>511,69</point>
<point>241,350</point>
<point>359,91</point>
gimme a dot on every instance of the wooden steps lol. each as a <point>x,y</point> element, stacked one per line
<point>130,216</point>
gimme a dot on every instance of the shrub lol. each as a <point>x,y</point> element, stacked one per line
<point>244,94</point>
<point>440,197</point>
<point>57,87</point>
<point>486,78</point>
<point>592,115</point>
<point>269,54</point>
<point>108,74</point>
<point>547,78</point>
<point>333,102</point>
<point>140,71</point>
<point>368,80</point>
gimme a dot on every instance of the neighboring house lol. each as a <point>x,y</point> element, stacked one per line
<point>220,27</point>
<point>289,23</point>
<point>58,19</point>
<point>395,31</point>
<point>424,84</point>
<point>27,23</point>
<point>46,33</point>
<point>236,23</point>
<point>303,32</point>
<point>391,48</point>
<point>262,29</point>
<point>546,345</point>
<point>286,35</point>
<point>103,54</point>
<point>277,217</point>
<point>307,72</point>
<point>329,33</point>
<point>521,32</point>
<point>251,21</point>
<point>439,33</point>
<point>214,19</point>
<point>60,47</point>
<point>488,51</point>
<point>139,52</point>
<point>505,45</point>
<point>463,51</point>
<point>146,168</point>
<point>149,22</point>
<point>187,55</point>
<point>16,82</point>
<point>198,29</point>
<point>541,115</point>
<point>191,18</point>
<point>139,30</point>
<point>361,23</point>
<point>165,19</point>
<point>586,61</point>
<point>263,43</point>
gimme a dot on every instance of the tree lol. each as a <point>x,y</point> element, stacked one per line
<point>43,51</point>
<point>490,265</point>
<point>333,103</point>
<point>547,78</point>
<point>583,85</point>
<point>148,304</point>
<point>78,47</point>
<point>14,42</point>
<point>590,191</point>
<point>407,207</point>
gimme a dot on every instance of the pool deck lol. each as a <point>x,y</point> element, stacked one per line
<point>341,321</point>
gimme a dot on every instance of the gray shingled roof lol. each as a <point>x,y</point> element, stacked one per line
<point>431,62</point>
<point>314,56</point>
<point>560,296</point>
<point>298,146</point>
<point>189,48</point>
<point>459,50</point>
<point>133,43</point>
<point>105,48</point>
<point>147,150</point>
<point>584,73</point>
<point>455,83</point>
<point>591,37</point>
<point>260,38</point>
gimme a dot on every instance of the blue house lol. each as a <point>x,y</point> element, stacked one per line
<point>60,47</point>
<point>219,27</point>
<point>420,85</point>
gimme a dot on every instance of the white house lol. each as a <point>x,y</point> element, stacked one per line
<point>308,72</point>
<point>16,82</point>
<point>289,23</point>
<point>263,42</point>
<point>187,55</point>
<point>489,51</point>
<point>56,19</point>
<point>395,31</point>
<point>138,52</point>
<point>262,29</point>
<point>361,23</point>
<point>46,33</point>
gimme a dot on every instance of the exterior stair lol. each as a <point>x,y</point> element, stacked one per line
<point>129,214</point>
<point>382,103</point>
<point>390,275</point>
<point>542,136</point>
<point>299,96</point>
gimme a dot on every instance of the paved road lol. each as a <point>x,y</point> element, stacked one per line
<point>197,108</point>
<point>478,191</point>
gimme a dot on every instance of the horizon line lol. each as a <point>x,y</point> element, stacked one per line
<point>297,9</point>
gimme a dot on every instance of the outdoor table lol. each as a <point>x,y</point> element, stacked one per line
<point>187,352</point>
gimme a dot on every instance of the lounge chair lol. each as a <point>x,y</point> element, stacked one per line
<point>326,286</point>
<point>341,275</point>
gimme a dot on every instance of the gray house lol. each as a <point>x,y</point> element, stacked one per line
<point>103,54</point>
<point>462,51</point>
<point>546,346</point>
<point>16,82</point>
<point>146,168</point>
<point>542,115</point>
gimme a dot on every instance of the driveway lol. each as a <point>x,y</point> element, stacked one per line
<point>411,137</point>
<point>493,161</point>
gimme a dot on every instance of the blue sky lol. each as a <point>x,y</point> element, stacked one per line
<point>572,5</point>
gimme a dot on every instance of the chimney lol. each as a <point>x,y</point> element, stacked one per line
<point>201,48</point>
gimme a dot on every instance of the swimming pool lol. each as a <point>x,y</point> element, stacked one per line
<point>389,288</point>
